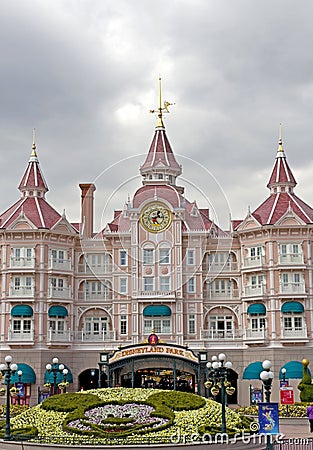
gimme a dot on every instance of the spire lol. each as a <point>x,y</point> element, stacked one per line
<point>160,166</point>
<point>33,183</point>
<point>281,179</point>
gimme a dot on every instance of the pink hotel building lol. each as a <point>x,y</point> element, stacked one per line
<point>150,298</point>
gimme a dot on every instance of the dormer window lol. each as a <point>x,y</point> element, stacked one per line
<point>160,176</point>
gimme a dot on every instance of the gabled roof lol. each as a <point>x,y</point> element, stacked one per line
<point>33,178</point>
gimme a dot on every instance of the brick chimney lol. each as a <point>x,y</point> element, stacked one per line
<point>87,208</point>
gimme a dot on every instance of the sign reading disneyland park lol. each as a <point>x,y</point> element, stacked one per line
<point>154,347</point>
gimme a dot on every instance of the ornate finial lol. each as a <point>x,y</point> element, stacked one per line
<point>161,108</point>
<point>34,143</point>
<point>280,142</point>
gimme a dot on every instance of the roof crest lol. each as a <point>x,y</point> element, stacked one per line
<point>273,208</point>
<point>40,212</point>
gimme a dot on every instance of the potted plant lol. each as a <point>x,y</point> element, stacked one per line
<point>14,391</point>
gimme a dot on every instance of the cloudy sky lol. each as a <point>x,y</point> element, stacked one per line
<point>84,74</point>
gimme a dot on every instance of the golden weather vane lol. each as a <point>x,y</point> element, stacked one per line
<point>161,108</point>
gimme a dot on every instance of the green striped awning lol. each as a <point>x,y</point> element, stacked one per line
<point>294,307</point>
<point>57,311</point>
<point>157,310</point>
<point>256,308</point>
<point>22,310</point>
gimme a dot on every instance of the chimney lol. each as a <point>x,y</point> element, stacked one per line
<point>87,208</point>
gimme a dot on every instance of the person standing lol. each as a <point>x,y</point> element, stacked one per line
<point>309,413</point>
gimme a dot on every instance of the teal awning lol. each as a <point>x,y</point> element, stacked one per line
<point>57,311</point>
<point>294,307</point>
<point>256,308</point>
<point>28,375</point>
<point>252,371</point>
<point>49,377</point>
<point>157,310</point>
<point>22,310</point>
<point>294,369</point>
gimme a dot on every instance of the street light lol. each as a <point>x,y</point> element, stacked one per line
<point>7,370</point>
<point>65,372</point>
<point>55,368</point>
<point>19,377</point>
<point>267,378</point>
<point>217,381</point>
<point>283,371</point>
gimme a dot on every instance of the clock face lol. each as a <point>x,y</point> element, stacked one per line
<point>156,217</point>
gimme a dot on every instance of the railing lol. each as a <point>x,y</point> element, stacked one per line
<point>86,269</point>
<point>225,294</point>
<point>61,264</point>
<point>299,443</point>
<point>59,292</point>
<point>292,288</point>
<point>21,335</point>
<point>296,333</point>
<point>22,291</point>
<point>59,336</point>
<point>291,258</point>
<point>22,262</point>
<point>254,261</point>
<point>220,267</point>
<point>257,333</point>
<point>257,289</point>
<point>101,336</point>
<point>95,295</point>
<point>156,293</point>
<point>221,334</point>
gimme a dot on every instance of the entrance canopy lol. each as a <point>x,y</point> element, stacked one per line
<point>49,377</point>
<point>28,375</point>
<point>252,371</point>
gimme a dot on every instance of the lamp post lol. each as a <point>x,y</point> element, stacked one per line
<point>65,372</point>
<point>19,378</point>
<point>283,372</point>
<point>7,370</point>
<point>267,378</point>
<point>55,368</point>
<point>218,381</point>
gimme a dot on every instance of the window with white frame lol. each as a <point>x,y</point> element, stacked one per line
<point>57,325</point>
<point>165,284</point>
<point>221,326</point>
<point>57,284</point>
<point>22,256</point>
<point>191,324</point>
<point>97,289</point>
<point>164,256</point>
<point>190,257</point>
<point>292,321</point>
<point>292,282</point>
<point>95,326</point>
<point>21,325</point>
<point>123,258</point>
<point>290,253</point>
<point>158,324</point>
<point>123,324</point>
<point>148,256</point>
<point>191,285</point>
<point>22,285</point>
<point>123,285</point>
<point>148,284</point>
<point>257,322</point>
<point>58,255</point>
<point>221,286</point>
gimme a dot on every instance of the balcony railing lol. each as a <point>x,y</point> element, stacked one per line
<point>292,288</point>
<point>225,294</point>
<point>101,336</point>
<point>59,336</point>
<point>86,269</point>
<point>255,333</point>
<point>22,291</point>
<point>55,292</point>
<point>294,333</point>
<point>255,289</point>
<point>156,294</point>
<point>22,262</point>
<point>221,267</point>
<point>60,264</point>
<point>21,336</point>
<point>225,335</point>
<point>291,258</point>
<point>254,261</point>
<point>95,295</point>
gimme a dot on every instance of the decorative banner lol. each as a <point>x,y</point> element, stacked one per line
<point>268,418</point>
<point>287,396</point>
<point>284,383</point>
<point>256,396</point>
<point>20,387</point>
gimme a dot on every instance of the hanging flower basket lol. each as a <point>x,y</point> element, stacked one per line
<point>14,391</point>
<point>46,387</point>
<point>2,392</point>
